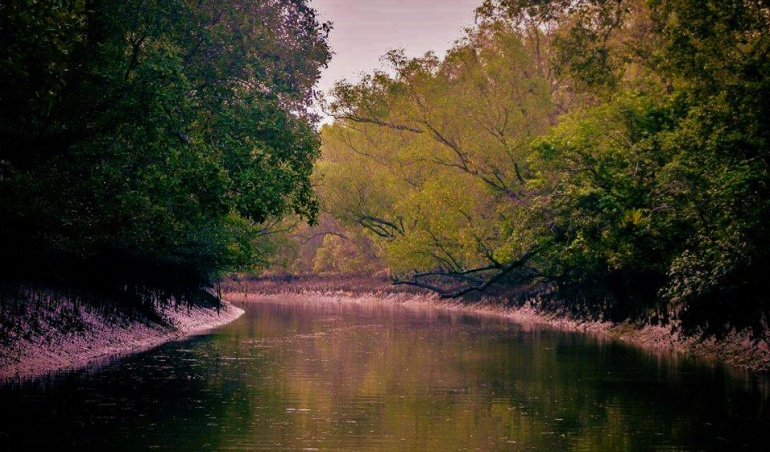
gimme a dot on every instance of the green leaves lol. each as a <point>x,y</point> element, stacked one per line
<point>178,130</point>
<point>447,143</point>
<point>609,229</point>
<point>37,40</point>
<point>620,148</point>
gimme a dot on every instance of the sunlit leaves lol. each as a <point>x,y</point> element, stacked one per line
<point>621,147</point>
<point>433,160</point>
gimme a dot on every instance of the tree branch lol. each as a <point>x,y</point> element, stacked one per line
<point>390,125</point>
<point>479,286</point>
<point>304,240</point>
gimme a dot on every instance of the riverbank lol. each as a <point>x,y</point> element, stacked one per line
<point>48,347</point>
<point>736,349</point>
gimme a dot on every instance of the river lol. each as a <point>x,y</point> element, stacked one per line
<point>368,376</point>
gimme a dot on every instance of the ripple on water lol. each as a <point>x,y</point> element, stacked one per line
<point>305,376</point>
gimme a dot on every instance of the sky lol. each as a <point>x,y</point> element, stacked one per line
<point>364,30</point>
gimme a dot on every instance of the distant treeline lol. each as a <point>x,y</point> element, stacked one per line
<point>147,147</point>
<point>615,151</point>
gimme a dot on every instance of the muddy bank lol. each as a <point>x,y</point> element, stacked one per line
<point>46,348</point>
<point>735,350</point>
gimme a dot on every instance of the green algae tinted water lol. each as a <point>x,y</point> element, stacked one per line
<point>294,376</point>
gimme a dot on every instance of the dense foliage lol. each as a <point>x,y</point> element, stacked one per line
<point>616,151</point>
<point>145,145</point>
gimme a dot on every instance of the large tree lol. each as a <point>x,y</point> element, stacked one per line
<point>447,141</point>
<point>146,143</point>
<point>615,148</point>
<point>662,189</point>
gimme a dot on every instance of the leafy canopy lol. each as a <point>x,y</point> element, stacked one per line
<point>615,150</point>
<point>145,144</point>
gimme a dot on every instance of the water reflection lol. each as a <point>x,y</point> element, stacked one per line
<point>374,376</point>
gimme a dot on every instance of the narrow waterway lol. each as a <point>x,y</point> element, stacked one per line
<point>376,376</point>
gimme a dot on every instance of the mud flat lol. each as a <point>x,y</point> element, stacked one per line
<point>46,348</point>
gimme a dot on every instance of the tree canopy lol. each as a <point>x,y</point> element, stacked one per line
<point>145,145</point>
<point>614,151</point>
<point>439,125</point>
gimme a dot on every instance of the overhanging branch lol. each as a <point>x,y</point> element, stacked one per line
<point>390,125</point>
<point>475,283</point>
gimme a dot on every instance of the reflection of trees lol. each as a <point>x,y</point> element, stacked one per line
<point>372,374</point>
<point>365,375</point>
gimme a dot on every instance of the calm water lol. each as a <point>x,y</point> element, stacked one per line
<point>336,376</point>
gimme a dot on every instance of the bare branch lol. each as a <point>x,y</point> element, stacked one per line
<point>383,228</point>
<point>479,285</point>
<point>304,240</point>
<point>390,125</point>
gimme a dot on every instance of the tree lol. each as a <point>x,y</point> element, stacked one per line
<point>437,125</point>
<point>618,148</point>
<point>167,135</point>
<point>701,149</point>
<point>611,234</point>
<point>717,58</point>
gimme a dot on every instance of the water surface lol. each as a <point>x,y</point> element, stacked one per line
<point>377,376</point>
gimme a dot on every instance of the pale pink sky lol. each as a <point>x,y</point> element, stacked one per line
<point>365,29</point>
